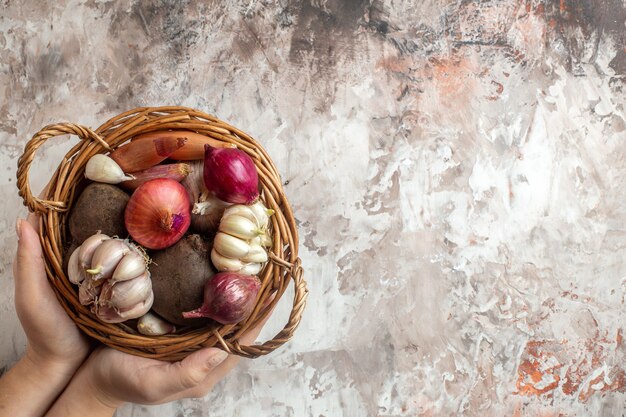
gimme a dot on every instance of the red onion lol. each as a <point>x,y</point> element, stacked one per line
<point>231,175</point>
<point>228,298</point>
<point>158,213</point>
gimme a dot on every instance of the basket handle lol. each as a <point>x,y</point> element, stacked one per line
<point>299,301</point>
<point>36,204</point>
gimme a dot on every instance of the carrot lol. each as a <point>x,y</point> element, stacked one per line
<point>194,146</point>
<point>140,155</point>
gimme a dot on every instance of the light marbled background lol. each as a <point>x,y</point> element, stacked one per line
<point>457,169</point>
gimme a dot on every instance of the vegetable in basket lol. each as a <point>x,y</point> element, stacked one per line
<point>113,277</point>
<point>139,155</point>
<point>178,277</point>
<point>228,298</point>
<point>230,174</point>
<point>100,207</point>
<point>207,209</point>
<point>243,235</point>
<point>158,213</point>
<point>176,172</point>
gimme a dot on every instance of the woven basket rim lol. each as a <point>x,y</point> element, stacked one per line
<point>53,206</point>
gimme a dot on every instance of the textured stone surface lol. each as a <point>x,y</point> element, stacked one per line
<point>457,169</point>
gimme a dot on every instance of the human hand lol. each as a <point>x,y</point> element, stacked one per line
<point>54,340</point>
<point>55,349</point>
<point>109,378</point>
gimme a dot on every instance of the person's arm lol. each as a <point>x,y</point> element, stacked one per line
<point>31,386</point>
<point>81,398</point>
<point>110,378</point>
<point>55,348</point>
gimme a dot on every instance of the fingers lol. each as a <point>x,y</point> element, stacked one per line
<point>232,360</point>
<point>169,380</point>
<point>225,367</point>
<point>33,294</point>
<point>28,268</point>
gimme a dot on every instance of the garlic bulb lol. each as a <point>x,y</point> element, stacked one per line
<point>113,277</point>
<point>243,234</point>
<point>102,168</point>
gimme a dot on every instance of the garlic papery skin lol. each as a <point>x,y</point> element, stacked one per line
<point>75,272</point>
<point>125,294</point>
<point>101,168</point>
<point>152,325</point>
<point>106,257</point>
<point>88,291</point>
<point>132,265</point>
<point>88,247</point>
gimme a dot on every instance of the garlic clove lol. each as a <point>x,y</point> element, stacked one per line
<point>261,213</point>
<point>130,266</point>
<point>223,263</point>
<point>111,315</point>
<point>102,168</point>
<point>256,254</point>
<point>152,325</point>
<point>75,273</point>
<point>125,294</point>
<point>230,246</point>
<point>251,269</point>
<point>243,211</point>
<point>88,247</point>
<point>263,240</point>
<point>138,309</point>
<point>106,257</point>
<point>239,226</point>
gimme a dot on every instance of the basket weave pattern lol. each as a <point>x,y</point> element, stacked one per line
<point>54,206</point>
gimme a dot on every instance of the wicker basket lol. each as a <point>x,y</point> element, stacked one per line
<point>284,264</point>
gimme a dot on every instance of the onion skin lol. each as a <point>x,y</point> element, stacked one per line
<point>228,298</point>
<point>143,154</point>
<point>176,172</point>
<point>230,174</point>
<point>194,145</point>
<point>158,213</point>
